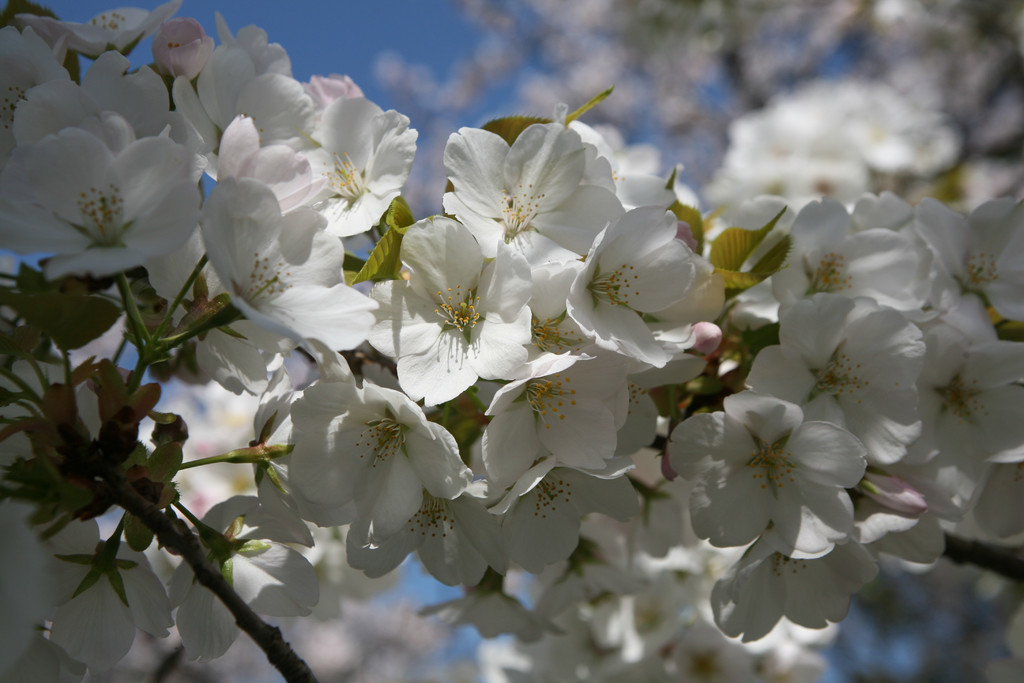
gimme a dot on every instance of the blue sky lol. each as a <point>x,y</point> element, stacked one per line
<point>325,36</point>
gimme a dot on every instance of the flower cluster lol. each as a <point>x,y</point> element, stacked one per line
<point>676,420</point>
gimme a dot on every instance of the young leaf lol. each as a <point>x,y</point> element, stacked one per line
<point>509,127</point>
<point>691,216</point>
<point>72,321</point>
<point>384,262</point>
<point>735,245</point>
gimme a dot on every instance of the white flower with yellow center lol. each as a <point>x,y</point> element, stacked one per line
<point>565,409</point>
<point>635,267</point>
<point>100,210</point>
<point>758,465</point>
<point>455,320</point>
<point>531,195</point>
<point>282,271</point>
<point>980,255</point>
<point>364,161</point>
<point>374,448</point>
<point>849,362</point>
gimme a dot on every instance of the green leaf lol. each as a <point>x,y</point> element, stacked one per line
<point>9,346</point>
<point>165,461</point>
<point>735,245</point>
<point>138,535</point>
<point>691,216</point>
<point>384,262</point>
<point>593,102</point>
<point>71,320</point>
<point>1010,330</point>
<point>509,127</point>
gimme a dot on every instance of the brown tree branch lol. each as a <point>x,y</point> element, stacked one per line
<point>176,536</point>
<point>998,559</point>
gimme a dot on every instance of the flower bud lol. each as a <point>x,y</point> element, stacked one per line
<point>708,336</point>
<point>326,89</point>
<point>893,493</point>
<point>181,47</point>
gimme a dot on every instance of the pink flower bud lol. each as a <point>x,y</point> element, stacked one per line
<point>893,493</point>
<point>685,233</point>
<point>708,336</point>
<point>326,89</point>
<point>181,47</point>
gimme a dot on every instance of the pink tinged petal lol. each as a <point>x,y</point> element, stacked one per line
<point>510,445</point>
<point>893,493</point>
<point>827,455</point>
<point>276,581</point>
<point>730,506</point>
<point>436,461</point>
<point>94,627</point>
<point>708,337</point>
<point>474,161</point>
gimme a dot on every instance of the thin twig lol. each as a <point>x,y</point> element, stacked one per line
<point>175,535</point>
<point>995,558</point>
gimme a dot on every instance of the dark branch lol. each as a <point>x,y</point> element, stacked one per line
<point>998,559</point>
<point>173,534</point>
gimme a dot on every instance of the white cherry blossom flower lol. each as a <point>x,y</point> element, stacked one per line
<point>373,447</point>
<point>765,585</point>
<point>530,195</point>
<point>364,159</point>
<point>282,271</point>
<point>636,266</point>
<point>25,62</point>
<point>758,464</point>
<point>116,29</point>
<point>100,210</point>
<point>455,320</point>
<point>849,362</point>
<point>828,256</point>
